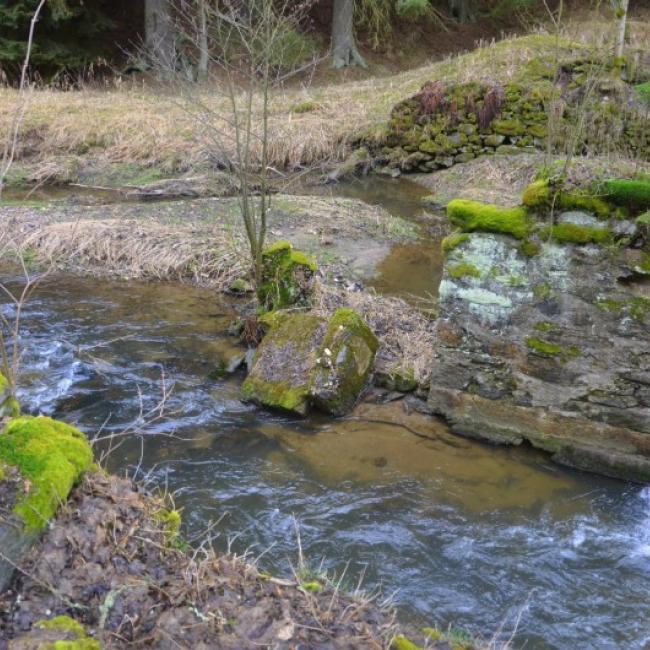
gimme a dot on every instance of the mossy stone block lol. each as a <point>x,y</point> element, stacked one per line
<point>306,361</point>
<point>286,277</point>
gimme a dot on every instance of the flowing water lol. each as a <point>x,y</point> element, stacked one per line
<point>463,533</point>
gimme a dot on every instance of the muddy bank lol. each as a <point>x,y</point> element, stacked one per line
<point>114,561</point>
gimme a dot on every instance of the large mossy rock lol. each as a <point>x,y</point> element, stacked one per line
<point>40,462</point>
<point>309,361</point>
<point>286,277</point>
<point>543,329</point>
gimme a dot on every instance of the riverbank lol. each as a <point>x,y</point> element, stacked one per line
<point>115,562</point>
<point>132,135</point>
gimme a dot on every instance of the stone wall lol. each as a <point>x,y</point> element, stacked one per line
<point>444,124</point>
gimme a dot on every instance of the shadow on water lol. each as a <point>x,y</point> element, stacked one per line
<point>464,533</point>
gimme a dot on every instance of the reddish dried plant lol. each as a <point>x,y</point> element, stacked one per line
<point>432,98</point>
<point>492,104</point>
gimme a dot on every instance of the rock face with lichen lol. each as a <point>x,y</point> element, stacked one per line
<point>544,326</point>
<point>308,361</point>
<point>40,462</point>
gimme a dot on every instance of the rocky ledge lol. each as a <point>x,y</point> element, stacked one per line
<point>544,322</point>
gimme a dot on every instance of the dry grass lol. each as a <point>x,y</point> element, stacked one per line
<point>135,125</point>
<point>405,332</point>
<point>137,249</point>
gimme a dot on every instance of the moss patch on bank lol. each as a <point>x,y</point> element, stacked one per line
<point>472,216</point>
<point>52,456</point>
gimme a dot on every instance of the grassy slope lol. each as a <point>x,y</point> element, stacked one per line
<point>136,126</point>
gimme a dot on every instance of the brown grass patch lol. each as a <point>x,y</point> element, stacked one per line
<point>136,249</point>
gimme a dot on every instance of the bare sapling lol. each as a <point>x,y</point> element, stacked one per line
<point>242,50</point>
<point>22,102</point>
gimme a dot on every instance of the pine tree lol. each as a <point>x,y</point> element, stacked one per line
<point>70,34</point>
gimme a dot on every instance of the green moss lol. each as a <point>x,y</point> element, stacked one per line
<point>607,304</point>
<point>52,455</point>
<point>462,270</point>
<point>279,395</point>
<point>543,347</point>
<point>305,107</point>
<point>402,643</point>
<point>345,339</point>
<point>9,406</point>
<point>314,586</point>
<point>170,521</point>
<point>571,233</point>
<point>545,326</point>
<point>74,633</point>
<point>516,281</point>
<point>472,215</point>
<point>644,220</point>
<point>542,291</point>
<point>639,308</point>
<point>643,90</point>
<point>285,275</point>
<point>508,127</point>
<point>453,241</point>
<point>634,194</point>
<point>549,349</point>
<point>529,248</point>
<point>541,194</point>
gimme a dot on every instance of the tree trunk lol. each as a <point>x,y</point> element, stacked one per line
<point>204,57</point>
<point>344,49</point>
<point>621,15</point>
<point>159,35</point>
<point>462,10</point>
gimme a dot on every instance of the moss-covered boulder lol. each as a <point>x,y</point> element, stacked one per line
<point>286,277</point>
<point>40,462</point>
<point>306,361</point>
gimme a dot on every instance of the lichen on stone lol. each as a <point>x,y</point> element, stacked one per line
<point>52,456</point>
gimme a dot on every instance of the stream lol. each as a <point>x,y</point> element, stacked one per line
<point>459,533</point>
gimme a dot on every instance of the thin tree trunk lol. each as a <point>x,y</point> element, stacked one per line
<point>462,10</point>
<point>344,48</point>
<point>159,33</point>
<point>204,55</point>
<point>621,15</point>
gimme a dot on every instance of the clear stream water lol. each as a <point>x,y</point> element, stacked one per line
<point>462,533</point>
